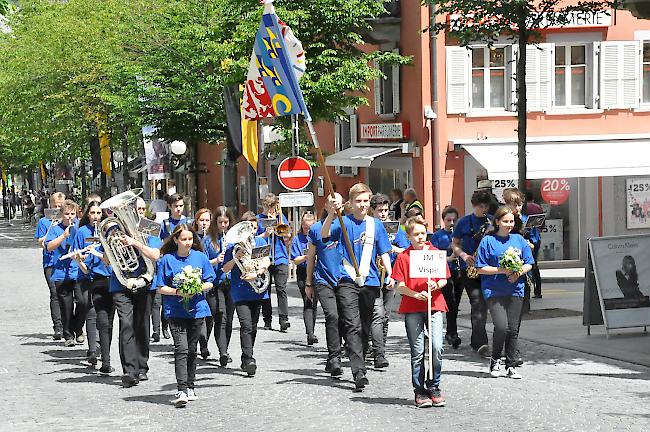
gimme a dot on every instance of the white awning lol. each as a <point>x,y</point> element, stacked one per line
<point>360,157</point>
<point>551,157</point>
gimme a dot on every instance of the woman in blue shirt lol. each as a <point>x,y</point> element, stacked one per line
<point>181,249</point>
<point>298,253</point>
<point>503,290</point>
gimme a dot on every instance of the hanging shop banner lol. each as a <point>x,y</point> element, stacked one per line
<point>638,203</point>
<point>622,273</point>
<point>157,155</point>
<point>552,240</point>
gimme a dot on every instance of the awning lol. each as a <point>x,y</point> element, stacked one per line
<point>360,157</point>
<point>557,157</point>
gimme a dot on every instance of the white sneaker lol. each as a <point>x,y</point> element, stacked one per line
<point>512,372</point>
<point>495,368</point>
<point>191,395</point>
<point>180,399</point>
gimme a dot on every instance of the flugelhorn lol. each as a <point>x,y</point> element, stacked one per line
<point>241,236</point>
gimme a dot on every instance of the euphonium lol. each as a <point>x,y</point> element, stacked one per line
<point>241,236</point>
<point>131,268</point>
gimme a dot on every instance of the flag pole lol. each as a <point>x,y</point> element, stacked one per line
<point>328,180</point>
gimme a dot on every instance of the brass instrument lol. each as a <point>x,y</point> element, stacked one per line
<point>382,271</point>
<point>241,236</point>
<point>132,269</point>
<point>472,273</point>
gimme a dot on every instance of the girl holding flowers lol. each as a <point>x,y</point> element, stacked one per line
<point>502,259</point>
<point>184,273</point>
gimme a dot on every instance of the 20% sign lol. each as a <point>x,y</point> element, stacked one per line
<point>555,191</point>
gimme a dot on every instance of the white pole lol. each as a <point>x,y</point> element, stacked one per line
<point>429,359</point>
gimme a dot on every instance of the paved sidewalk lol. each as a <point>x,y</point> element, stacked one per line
<point>49,388</point>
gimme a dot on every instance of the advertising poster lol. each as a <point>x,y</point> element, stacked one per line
<point>498,186</point>
<point>638,203</point>
<point>622,272</point>
<point>552,240</point>
<point>156,152</point>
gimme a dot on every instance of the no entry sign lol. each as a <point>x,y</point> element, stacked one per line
<point>295,173</point>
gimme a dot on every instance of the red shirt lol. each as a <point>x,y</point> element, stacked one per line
<point>410,304</point>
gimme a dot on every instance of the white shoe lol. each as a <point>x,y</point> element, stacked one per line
<point>180,399</point>
<point>191,395</point>
<point>495,368</point>
<point>512,372</point>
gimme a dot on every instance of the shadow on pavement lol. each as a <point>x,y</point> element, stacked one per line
<point>36,336</point>
<point>311,376</point>
<point>158,398</point>
<point>382,401</point>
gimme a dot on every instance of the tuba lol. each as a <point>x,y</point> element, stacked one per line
<point>241,236</point>
<point>132,269</point>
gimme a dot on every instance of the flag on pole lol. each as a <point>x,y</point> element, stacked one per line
<point>43,172</point>
<point>4,173</point>
<point>277,62</point>
<point>250,141</point>
<point>104,143</point>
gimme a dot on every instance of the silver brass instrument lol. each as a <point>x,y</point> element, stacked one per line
<point>241,236</point>
<point>131,268</point>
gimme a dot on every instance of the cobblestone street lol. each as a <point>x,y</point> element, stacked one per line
<point>47,387</point>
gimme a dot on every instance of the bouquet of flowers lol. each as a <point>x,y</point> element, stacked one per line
<point>188,281</point>
<point>511,260</point>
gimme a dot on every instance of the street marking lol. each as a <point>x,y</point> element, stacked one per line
<point>3,370</point>
<point>9,237</point>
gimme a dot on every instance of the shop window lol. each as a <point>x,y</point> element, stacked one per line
<point>570,75</point>
<point>387,89</point>
<point>345,135</point>
<point>645,77</point>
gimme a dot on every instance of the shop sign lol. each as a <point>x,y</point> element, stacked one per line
<point>555,191</point>
<point>499,186</point>
<point>384,131</point>
<point>638,203</point>
<point>552,240</point>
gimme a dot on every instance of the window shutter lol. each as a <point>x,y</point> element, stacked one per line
<point>396,86</point>
<point>539,64</point>
<point>353,137</point>
<point>619,74</point>
<point>458,79</point>
<point>337,142</point>
<point>593,53</point>
<point>377,90</point>
<point>511,76</point>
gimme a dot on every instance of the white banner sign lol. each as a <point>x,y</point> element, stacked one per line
<point>498,186</point>
<point>296,199</point>
<point>638,203</point>
<point>428,264</point>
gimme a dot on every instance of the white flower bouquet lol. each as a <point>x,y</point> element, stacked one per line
<point>188,281</point>
<point>511,260</point>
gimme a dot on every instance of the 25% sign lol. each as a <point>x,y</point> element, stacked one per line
<point>555,191</point>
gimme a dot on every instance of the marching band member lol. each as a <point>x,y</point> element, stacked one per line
<point>299,246</point>
<point>465,240</point>
<point>64,273</point>
<point>44,224</point>
<point>453,291</point>
<point>414,304</point>
<point>279,267</point>
<point>248,303</point>
<point>357,294</point>
<point>322,278</point>
<point>184,311</point>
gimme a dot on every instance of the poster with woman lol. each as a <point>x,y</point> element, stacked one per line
<point>638,203</point>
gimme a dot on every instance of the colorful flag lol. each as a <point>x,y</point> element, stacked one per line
<point>277,62</point>
<point>250,141</point>
<point>104,143</point>
<point>43,172</point>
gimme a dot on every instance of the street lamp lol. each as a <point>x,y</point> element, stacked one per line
<point>178,148</point>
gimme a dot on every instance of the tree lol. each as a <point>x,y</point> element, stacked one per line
<point>472,21</point>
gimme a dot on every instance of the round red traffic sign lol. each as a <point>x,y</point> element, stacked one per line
<point>295,173</point>
<point>555,191</point>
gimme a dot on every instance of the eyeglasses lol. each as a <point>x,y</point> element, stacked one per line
<point>142,208</point>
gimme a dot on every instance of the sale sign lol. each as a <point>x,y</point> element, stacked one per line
<point>428,264</point>
<point>555,191</point>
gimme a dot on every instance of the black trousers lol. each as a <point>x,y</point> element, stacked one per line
<point>279,275</point>
<point>186,334</point>
<point>66,292</point>
<point>505,312</point>
<point>85,313</point>
<point>55,309</point>
<point>327,298</point>
<point>356,304</point>
<point>156,306</point>
<point>105,312</point>
<point>248,314</point>
<point>223,312</point>
<point>478,311</point>
<point>537,277</point>
<point>309,306</point>
<point>453,292</point>
<point>133,309</point>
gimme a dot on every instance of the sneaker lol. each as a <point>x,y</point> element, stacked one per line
<point>229,358</point>
<point>381,362</point>
<point>191,395</point>
<point>223,360</point>
<point>423,401</point>
<point>69,343</point>
<point>143,376</point>
<point>437,399</point>
<point>311,340</point>
<point>129,381</point>
<point>106,369</point>
<point>180,399</point>
<point>205,353</point>
<point>483,351</point>
<point>166,334</point>
<point>360,381</point>
<point>284,325</point>
<point>92,358</point>
<point>519,362</point>
<point>155,337</point>
<point>336,370</point>
<point>267,325</point>
<point>512,372</point>
<point>495,368</point>
<point>251,368</point>
<point>58,335</point>
<point>81,338</point>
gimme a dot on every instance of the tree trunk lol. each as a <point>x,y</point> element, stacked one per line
<point>521,105</point>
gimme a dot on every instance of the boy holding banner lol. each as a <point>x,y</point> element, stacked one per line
<point>422,272</point>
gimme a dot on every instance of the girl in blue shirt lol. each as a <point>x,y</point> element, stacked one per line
<point>183,248</point>
<point>503,290</point>
<point>298,252</point>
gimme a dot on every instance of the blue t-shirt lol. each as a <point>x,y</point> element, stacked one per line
<point>96,267</point>
<point>328,259</point>
<point>400,240</point>
<point>241,290</point>
<point>62,269</point>
<point>169,224</point>
<point>466,228</point>
<point>218,268</point>
<point>442,240</point>
<point>80,242</point>
<point>299,246</point>
<point>208,246</point>
<point>279,249</point>
<point>41,228</point>
<point>172,264</point>
<point>490,251</point>
<point>532,234</point>
<point>356,232</point>
<point>116,286</point>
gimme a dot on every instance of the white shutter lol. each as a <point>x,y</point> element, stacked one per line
<point>619,74</point>
<point>337,142</point>
<point>539,65</point>
<point>377,89</point>
<point>593,53</point>
<point>458,79</point>
<point>396,85</point>
<point>353,138</point>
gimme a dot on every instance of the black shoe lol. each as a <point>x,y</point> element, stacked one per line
<point>537,296</point>
<point>205,353</point>
<point>69,343</point>
<point>223,360</point>
<point>381,362</point>
<point>251,368</point>
<point>519,362</point>
<point>58,335</point>
<point>335,368</point>
<point>155,337</point>
<point>106,369</point>
<point>328,367</point>
<point>284,325</point>
<point>92,358</point>
<point>166,334</point>
<point>267,325</point>
<point>143,376</point>
<point>129,381</point>
<point>312,340</point>
<point>454,341</point>
<point>360,381</point>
